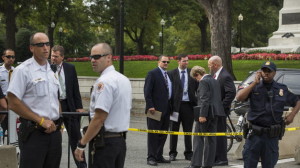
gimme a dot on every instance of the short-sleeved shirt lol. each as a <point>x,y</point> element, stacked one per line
<point>112,94</point>
<point>37,86</point>
<point>263,101</point>
<point>4,78</point>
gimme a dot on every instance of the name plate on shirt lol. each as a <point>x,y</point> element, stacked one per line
<point>155,116</point>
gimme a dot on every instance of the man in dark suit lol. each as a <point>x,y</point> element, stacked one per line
<point>157,92</point>
<point>70,98</point>
<point>228,92</point>
<point>184,98</point>
<point>210,109</point>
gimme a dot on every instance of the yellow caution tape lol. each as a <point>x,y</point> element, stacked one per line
<point>198,133</point>
<point>292,129</point>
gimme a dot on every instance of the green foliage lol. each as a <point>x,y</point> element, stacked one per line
<point>260,21</point>
<point>22,44</point>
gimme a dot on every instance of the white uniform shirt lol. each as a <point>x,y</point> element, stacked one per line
<point>4,81</point>
<point>37,86</point>
<point>112,94</point>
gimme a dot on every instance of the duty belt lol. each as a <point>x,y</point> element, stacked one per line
<point>114,134</point>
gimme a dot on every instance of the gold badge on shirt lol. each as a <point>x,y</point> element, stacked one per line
<point>280,92</point>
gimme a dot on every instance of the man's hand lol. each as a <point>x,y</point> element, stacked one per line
<point>257,77</point>
<point>48,125</point>
<point>202,119</point>
<point>151,110</point>
<point>79,155</point>
<point>80,110</point>
<point>289,119</point>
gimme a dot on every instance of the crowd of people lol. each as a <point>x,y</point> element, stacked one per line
<point>38,91</point>
<point>183,95</point>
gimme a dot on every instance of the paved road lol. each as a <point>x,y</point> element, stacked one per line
<point>137,150</point>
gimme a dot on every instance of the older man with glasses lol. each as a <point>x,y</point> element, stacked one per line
<point>5,73</point>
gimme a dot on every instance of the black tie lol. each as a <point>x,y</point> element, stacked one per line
<point>182,78</point>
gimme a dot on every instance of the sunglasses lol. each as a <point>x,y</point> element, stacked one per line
<point>165,62</point>
<point>41,44</point>
<point>10,56</point>
<point>95,57</point>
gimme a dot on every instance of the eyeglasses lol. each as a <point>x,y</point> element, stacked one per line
<point>165,62</point>
<point>41,44</point>
<point>95,57</point>
<point>10,56</point>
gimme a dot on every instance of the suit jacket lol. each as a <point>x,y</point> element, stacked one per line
<point>177,88</point>
<point>72,87</point>
<point>156,93</point>
<point>209,97</point>
<point>228,90</point>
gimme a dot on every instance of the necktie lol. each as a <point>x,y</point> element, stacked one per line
<point>214,76</point>
<point>9,74</point>
<point>62,83</point>
<point>166,80</point>
<point>182,78</point>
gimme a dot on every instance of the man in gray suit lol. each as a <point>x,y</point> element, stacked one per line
<point>210,108</point>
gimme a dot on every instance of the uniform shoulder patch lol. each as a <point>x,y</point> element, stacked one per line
<point>100,86</point>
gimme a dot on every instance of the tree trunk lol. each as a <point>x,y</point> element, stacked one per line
<point>219,16</point>
<point>140,47</point>
<point>10,26</point>
<point>203,29</point>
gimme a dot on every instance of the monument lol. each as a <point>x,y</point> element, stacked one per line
<point>287,38</point>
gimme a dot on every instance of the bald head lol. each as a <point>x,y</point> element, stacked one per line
<point>214,64</point>
<point>104,48</point>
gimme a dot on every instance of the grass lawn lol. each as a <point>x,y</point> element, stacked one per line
<point>139,69</point>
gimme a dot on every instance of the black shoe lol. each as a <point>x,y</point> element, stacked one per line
<point>188,157</point>
<point>172,158</point>
<point>163,160</point>
<point>152,162</point>
<point>193,167</point>
<point>221,163</point>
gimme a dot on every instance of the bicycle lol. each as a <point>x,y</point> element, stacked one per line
<point>231,128</point>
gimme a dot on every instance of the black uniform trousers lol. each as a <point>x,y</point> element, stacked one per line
<point>156,142</point>
<point>221,153</point>
<point>186,117</point>
<point>41,150</point>
<point>112,155</point>
<point>72,124</point>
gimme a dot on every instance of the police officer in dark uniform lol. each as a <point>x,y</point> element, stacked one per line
<point>266,125</point>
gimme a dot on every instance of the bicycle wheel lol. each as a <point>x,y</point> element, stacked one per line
<point>229,138</point>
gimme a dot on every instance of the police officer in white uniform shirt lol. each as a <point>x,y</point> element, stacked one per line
<point>33,95</point>
<point>5,73</point>
<point>110,112</point>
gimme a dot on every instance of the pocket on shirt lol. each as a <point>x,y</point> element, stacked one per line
<point>41,88</point>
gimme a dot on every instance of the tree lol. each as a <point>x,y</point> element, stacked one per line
<point>10,10</point>
<point>219,16</point>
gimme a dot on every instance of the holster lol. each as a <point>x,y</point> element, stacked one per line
<point>25,129</point>
<point>98,141</point>
<point>245,130</point>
